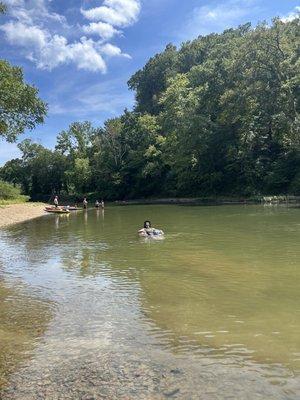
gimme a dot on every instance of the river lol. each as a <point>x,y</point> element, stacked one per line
<point>91,311</point>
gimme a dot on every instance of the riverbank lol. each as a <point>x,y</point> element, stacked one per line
<point>213,201</point>
<point>187,201</point>
<point>15,213</point>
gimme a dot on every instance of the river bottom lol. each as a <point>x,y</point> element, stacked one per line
<point>211,312</point>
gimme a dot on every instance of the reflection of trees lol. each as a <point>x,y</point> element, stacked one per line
<point>234,296</point>
<point>23,319</point>
<point>212,291</point>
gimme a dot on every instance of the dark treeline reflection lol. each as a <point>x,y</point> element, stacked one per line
<point>217,116</point>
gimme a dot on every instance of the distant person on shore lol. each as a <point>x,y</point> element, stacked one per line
<point>55,201</point>
<point>97,204</point>
<point>85,203</point>
<point>102,204</point>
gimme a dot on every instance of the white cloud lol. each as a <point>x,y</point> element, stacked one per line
<point>120,13</point>
<point>31,11</point>
<point>215,18</point>
<point>112,51</point>
<point>86,56</point>
<point>102,29</point>
<point>292,15</point>
<point>51,51</point>
<point>108,97</point>
<point>20,34</point>
<point>43,34</point>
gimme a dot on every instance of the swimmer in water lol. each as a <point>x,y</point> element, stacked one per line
<point>149,231</point>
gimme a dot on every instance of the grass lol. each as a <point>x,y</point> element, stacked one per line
<point>18,200</point>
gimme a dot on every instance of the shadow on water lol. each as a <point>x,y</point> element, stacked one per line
<point>212,309</point>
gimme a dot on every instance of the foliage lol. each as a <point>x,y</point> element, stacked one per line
<point>218,116</point>
<point>20,107</point>
<point>2,8</point>
<point>10,192</point>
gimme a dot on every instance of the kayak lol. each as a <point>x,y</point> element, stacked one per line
<point>57,210</point>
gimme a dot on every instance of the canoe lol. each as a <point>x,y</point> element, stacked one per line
<point>57,210</point>
<point>63,208</point>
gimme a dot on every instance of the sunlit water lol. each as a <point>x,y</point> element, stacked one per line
<point>212,311</point>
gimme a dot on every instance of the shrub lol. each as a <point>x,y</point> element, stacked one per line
<point>9,191</point>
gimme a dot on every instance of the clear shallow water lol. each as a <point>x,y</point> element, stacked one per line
<point>89,308</point>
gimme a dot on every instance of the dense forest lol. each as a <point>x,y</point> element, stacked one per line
<point>218,116</point>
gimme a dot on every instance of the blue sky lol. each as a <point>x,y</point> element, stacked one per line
<point>81,53</point>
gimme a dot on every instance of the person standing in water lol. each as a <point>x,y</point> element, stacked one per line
<point>55,201</point>
<point>102,204</point>
<point>97,204</point>
<point>85,203</point>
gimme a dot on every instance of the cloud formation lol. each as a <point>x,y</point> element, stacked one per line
<point>292,15</point>
<point>119,13</point>
<point>41,33</point>
<point>220,16</point>
<point>101,99</point>
<point>102,29</point>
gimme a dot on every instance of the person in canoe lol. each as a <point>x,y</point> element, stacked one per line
<point>55,201</point>
<point>148,231</point>
<point>85,203</point>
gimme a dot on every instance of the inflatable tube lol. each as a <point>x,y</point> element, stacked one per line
<point>154,233</point>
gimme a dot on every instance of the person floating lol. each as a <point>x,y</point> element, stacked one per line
<point>55,201</point>
<point>148,231</point>
<point>85,203</point>
<point>97,204</point>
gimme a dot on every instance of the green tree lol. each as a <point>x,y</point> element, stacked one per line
<point>218,116</point>
<point>151,81</point>
<point>2,8</point>
<point>20,106</point>
<point>40,171</point>
<point>78,178</point>
<point>77,140</point>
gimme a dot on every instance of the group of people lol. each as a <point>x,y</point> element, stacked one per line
<point>98,204</point>
<point>146,231</point>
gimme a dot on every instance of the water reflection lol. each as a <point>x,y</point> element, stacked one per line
<point>59,219</point>
<point>220,294</point>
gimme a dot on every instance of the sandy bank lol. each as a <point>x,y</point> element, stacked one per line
<point>15,213</point>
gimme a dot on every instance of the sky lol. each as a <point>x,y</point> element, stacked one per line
<point>81,53</point>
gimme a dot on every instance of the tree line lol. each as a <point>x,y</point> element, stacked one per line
<point>217,116</point>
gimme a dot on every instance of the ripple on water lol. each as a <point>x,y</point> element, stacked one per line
<point>212,309</point>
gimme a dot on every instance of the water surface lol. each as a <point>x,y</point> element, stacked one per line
<point>213,310</point>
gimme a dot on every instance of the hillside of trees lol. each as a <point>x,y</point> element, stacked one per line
<point>218,116</point>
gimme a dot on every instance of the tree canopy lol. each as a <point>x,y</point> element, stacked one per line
<point>2,8</point>
<point>20,106</point>
<point>217,116</point>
